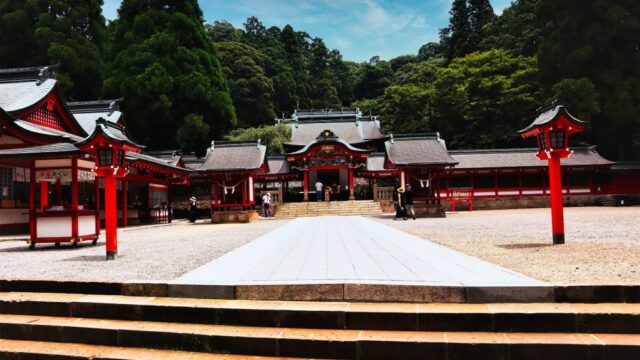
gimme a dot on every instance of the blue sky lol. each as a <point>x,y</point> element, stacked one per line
<point>360,29</point>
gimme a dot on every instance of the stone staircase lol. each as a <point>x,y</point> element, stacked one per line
<point>314,208</point>
<point>76,326</point>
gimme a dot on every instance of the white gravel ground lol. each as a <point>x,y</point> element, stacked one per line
<point>602,246</point>
<point>147,253</point>
<point>602,243</point>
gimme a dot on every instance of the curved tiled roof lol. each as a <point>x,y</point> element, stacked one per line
<point>38,151</point>
<point>134,156</point>
<point>327,141</point>
<point>548,115</point>
<point>278,165</point>
<point>43,130</point>
<point>234,156</point>
<point>352,132</point>
<point>521,158</point>
<point>418,149</point>
<point>88,112</point>
<point>19,95</point>
<point>112,131</point>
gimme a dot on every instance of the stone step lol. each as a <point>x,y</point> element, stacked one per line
<point>499,317</point>
<point>360,207</point>
<point>26,349</point>
<point>318,343</point>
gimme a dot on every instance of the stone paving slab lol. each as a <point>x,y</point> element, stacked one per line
<point>349,250</point>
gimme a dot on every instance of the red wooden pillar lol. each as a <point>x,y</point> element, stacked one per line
<point>44,194</point>
<point>351,193</point>
<point>32,204</point>
<point>74,198</point>
<point>305,184</point>
<point>125,190</point>
<point>111,216</point>
<point>245,188</point>
<point>97,201</point>
<point>555,185</point>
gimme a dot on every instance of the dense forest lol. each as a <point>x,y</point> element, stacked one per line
<point>186,81</point>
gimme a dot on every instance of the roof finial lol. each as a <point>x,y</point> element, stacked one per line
<point>213,143</point>
<point>44,74</point>
<point>391,138</point>
<point>259,143</point>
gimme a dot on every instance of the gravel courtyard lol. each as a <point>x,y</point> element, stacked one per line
<point>602,243</point>
<point>146,253</point>
<point>602,246</point>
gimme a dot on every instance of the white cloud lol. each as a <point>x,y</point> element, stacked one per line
<point>342,43</point>
<point>419,22</point>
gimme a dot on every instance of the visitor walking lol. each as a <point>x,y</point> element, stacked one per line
<point>266,205</point>
<point>394,196</point>
<point>193,209</point>
<point>319,188</point>
<point>408,202</point>
<point>401,211</point>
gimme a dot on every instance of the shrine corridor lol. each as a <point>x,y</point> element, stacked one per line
<point>348,249</point>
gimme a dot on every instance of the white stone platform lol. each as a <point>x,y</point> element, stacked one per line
<point>349,250</point>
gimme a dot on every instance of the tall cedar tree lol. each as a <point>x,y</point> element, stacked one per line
<point>590,58</point>
<point>466,27</point>
<point>455,38</point>
<point>515,29</point>
<point>166,69</point>
<point>251,89</point>
<point>480,14</point>
<point>71,33</point>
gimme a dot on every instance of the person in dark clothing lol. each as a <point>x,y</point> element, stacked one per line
<point>400,209</point>
<point>193,209</point>
<point>408,202</point>
<point>394,196</point>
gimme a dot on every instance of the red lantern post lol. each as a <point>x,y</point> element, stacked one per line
<point>108,145</point>
<point>552,129</point>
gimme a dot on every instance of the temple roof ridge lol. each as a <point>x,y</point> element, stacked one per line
<point>235,143</point>
<point>514,150</point>
<point>27,74</point>
<point>95,105</point>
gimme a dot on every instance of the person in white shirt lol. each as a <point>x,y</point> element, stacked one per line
<point>266,205</point>
<point>319,188</point>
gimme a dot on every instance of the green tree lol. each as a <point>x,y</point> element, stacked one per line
<point>166,68</point>
<point>403,108</point>
<point>454,39</point>
<point>251,90</point>
<point>222,31</point>
<point>69,32</point>
<point>375,76</point>
<point>596,42</point>
<point>192,136</point>
<point>482,99</point>
<point>273,136</point>
<point>516,29</point>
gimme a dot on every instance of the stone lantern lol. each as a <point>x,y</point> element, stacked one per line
<point>552,128</point>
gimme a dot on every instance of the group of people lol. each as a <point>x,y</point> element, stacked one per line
<point>403,202</point>
<point>335,191</point>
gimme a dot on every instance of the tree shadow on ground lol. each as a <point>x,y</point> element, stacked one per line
<point>523,246</point>
<point>91,258</point>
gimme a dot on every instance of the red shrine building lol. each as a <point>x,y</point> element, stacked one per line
<point>48,181</point>
<point>52,173</point>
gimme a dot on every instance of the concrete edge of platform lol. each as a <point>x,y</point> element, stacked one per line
<point>341,292</point>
